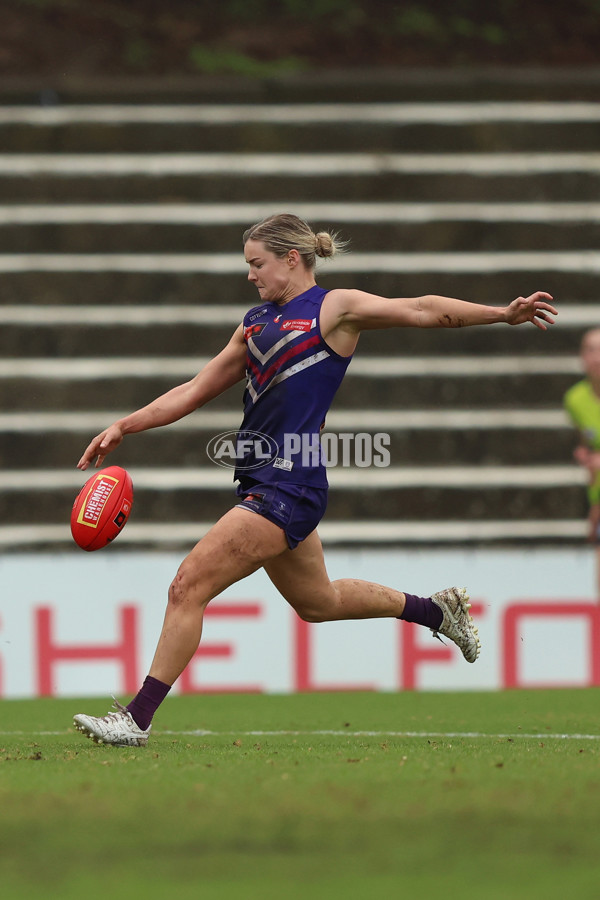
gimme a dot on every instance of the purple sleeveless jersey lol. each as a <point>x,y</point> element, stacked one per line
<point>292,377</point>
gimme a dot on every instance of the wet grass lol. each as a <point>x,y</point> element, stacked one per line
<point>480,799</point>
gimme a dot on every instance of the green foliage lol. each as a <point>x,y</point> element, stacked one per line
<point>211,61</point>
<point>246,36</point>
<point>417,21</point>
<point>137,54</point>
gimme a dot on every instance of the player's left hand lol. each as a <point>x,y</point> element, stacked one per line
<point>534,308</point>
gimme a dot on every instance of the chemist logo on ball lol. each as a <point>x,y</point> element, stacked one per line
<point>242,450</point>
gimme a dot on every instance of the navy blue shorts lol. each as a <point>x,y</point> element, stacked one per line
<point>295,508</point>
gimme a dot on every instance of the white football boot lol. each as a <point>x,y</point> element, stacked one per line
<point>457,623</point>
<point>116,728</point>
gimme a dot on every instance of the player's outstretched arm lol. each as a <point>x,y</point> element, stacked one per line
<point>357,311</point>
<point>225,370</point>
<point>447,312</point>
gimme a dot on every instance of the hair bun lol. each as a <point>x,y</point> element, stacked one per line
<point>324,244</point>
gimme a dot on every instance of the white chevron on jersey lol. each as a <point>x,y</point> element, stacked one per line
<point>290,336</point>
<point>287,373</point>
<point>265,357</point>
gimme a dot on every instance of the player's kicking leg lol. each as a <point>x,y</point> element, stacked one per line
<point>300,575</point>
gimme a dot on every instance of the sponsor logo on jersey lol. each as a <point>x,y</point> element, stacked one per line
<point>257,315</point>
<point>297,325</point>
<point>286,464</point>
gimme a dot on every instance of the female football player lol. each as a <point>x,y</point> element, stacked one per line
<point>292,351</point>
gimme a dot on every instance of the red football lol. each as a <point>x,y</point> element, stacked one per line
<point>101,508</point>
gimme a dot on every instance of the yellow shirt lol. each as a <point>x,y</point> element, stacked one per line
<point>583,406</point>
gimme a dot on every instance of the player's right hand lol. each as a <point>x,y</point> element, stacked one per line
<point>103,444</point>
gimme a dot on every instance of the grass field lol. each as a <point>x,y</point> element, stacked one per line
<point>494,795</point>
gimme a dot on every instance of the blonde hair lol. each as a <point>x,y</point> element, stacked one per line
<point>285,231</point>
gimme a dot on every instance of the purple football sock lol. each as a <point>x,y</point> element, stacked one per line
<point>146,702</point>
<point>423,611</point>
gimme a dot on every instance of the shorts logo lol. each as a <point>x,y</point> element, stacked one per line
<point>253,330</point>
<point>281,511</point>
<point>297,325</point>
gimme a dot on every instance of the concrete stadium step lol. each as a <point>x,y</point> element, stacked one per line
<point>383,263</point>
<point>435,506</point>
<point>573,316</point>
<point>415,494</point>
<point>508,137</point>
<point>486,279</point>
<point>226,177</point>
<point>181,536</point>
<point>68,393</point>
<point>434,445</point>
<point>81,340</point>
<point>114,331</point>
<point>386,382</point>
<point>479,343</point>
<point>364,86</point>
<point>458,127</point>
<point>545,229</point>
